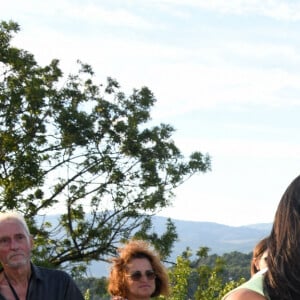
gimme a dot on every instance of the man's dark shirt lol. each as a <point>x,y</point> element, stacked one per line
<point>51,284</point>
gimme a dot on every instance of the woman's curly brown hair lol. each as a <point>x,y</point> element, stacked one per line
<point>136,249</point>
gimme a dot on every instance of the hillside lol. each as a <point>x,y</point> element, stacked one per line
<point>219,238</point>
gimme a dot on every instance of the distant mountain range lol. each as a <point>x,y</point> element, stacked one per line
<point>219,238</point>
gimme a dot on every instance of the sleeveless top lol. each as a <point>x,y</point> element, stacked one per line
<point>255,284</point>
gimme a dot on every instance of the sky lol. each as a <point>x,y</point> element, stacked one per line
<point>225,75</point>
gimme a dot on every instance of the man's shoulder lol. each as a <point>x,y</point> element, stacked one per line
<point>42,272</point>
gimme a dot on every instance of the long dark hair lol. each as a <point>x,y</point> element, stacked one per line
<point>282,281</point>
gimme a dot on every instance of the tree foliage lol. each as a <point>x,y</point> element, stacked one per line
<point>179,278</point>
<point>199,280</point>
<point>85,151</point>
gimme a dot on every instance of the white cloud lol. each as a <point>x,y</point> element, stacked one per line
<point>81,13</point>
<point>265,51</point>
<point>276,9</point>
<point>187,78</point>
<point>189,87</point>
<point>114,17</point>
<point>242,148</point>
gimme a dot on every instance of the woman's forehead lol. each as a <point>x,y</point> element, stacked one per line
<point>139,263</point>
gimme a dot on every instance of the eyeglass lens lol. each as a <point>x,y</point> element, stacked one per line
<point>137,275</point>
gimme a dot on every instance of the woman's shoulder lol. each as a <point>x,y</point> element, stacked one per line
<point>245,294</point>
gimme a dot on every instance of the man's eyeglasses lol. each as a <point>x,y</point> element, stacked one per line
<point>137,275</point>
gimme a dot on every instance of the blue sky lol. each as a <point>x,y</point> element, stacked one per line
<point>225,74</point>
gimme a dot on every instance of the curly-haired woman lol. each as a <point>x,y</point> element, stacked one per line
<point>137,273</point>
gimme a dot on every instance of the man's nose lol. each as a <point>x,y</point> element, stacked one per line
<point>14,244</point>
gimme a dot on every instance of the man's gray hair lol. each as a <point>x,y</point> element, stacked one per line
<point>14,215</point>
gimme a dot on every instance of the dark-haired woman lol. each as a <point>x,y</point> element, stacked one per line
<point>281,281</point>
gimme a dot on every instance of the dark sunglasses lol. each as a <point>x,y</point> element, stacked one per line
<point>137,275</point>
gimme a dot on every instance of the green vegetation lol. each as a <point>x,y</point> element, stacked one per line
<point>87,151</point>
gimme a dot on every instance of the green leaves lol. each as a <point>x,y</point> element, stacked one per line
<point>198,279</point>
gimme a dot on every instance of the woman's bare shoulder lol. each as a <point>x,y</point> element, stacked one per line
<point>245,294</point>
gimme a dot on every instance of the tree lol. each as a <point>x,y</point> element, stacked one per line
<point>179,277</point>
<point>87,152</point>
<point>199,280</point>
<point>94,288</point>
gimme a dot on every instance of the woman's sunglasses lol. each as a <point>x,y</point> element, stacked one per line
<point>137,275</point>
